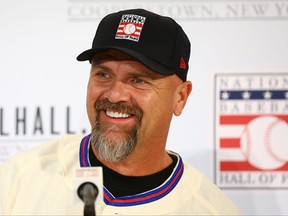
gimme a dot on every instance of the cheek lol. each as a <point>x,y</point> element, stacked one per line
<point>91,97</point>
<point>90,110</point>
<point>157,109</point>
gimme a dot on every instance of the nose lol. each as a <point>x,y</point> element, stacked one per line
<point>118,92</point>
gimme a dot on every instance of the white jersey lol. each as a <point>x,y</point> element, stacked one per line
<point>40,182</point>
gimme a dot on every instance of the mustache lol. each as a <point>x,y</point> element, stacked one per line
<point>122,107</point>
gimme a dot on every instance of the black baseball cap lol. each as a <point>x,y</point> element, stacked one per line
<point>156,41</point>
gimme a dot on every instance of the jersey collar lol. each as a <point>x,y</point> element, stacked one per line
<point>138,199</point>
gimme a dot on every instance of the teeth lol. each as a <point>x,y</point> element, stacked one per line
<point>117,114</point>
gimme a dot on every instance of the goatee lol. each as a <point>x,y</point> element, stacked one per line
<point>115,148</point>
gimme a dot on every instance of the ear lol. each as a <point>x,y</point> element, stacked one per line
<point>182,93</point>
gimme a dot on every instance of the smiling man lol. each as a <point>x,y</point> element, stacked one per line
<point>137,83</point>
<point>127,103</point>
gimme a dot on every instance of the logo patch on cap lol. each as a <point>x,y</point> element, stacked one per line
<point>130,27</point>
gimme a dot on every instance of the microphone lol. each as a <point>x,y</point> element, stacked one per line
<point>88,193</point>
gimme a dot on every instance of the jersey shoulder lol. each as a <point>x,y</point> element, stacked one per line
<point>209,197</point>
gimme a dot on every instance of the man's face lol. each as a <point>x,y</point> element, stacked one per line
<point>129,106</point>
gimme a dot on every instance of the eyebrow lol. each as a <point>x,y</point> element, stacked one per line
<point>144,72</point>
<point>99,66</point>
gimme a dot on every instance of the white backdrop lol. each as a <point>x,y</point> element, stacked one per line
<point>43,87</point>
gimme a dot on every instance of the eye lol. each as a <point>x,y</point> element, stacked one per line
<point>138,81</point>
<point>102,74</point>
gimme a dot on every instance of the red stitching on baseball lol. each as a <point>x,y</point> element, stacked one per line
<point>267,141</point>
<point>248,144</point>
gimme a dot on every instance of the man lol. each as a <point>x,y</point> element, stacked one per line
<point>138,81</point>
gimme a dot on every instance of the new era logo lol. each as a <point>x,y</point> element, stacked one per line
<point>183,64</point>
<point>130,27</point>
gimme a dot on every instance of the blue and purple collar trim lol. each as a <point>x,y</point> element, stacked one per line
<point>137,199</point>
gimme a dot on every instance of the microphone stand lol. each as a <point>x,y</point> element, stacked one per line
<point>89,210</point>
<point>88,193</point>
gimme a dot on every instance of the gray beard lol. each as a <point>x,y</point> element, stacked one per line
<point>119,147</point>
<point>115,149</point>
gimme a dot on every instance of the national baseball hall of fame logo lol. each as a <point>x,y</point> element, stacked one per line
<point>251,130</point>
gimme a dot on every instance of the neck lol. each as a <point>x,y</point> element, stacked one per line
<point>138,164</point>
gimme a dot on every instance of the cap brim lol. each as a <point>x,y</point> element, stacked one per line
<point>148,62</point>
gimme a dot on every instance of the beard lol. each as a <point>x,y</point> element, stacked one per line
<point>115,148</point>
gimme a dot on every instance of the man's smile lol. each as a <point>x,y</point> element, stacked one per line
<point>115,114</point>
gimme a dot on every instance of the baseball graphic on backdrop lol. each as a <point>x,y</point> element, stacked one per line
<point>264,142</point>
